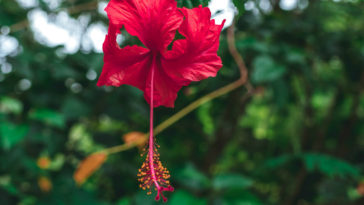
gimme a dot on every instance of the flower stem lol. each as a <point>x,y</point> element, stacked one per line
<point>186,110</point>
<point>180,114</point>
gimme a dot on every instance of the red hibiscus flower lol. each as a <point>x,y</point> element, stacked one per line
<point>157,71</point>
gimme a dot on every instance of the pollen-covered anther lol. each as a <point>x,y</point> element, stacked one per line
<point>159,182</point>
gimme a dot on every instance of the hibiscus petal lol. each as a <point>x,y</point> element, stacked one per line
<point>126,65</point>
<point>194,58</point>
<point>154,22</point>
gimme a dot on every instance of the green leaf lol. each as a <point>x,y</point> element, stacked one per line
<point>235,181</point>
<point>192,3</point>
<point>266,70</point>
<point>10,105</point>
<point>189,3</point>
<point>185,198</point>
<point>239,4</point>
<point>49,117</point>
<point>353,194</point>
<point>61,71</point>
<point>123,201</point>
<point>206,119</point>
<point>141,198</point>
<point>190,177</point>
<point>329,165</point>
<point>203,2</point>
<point>11,189</point>
<point>80,139</point>
<point>241,198</point>
<point>11,134</point>
<point>73,108</point>
<point>29,200</point>
<point>276,162</point>
<point>57,162</point>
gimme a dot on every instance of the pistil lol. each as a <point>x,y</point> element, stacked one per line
<point>152,171</point>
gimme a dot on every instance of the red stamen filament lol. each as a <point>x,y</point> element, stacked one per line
<point>152,171</point>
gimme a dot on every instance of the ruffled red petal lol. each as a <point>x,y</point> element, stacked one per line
<point>154,22</point>
<point>128,65</point>
<point>194,58</point>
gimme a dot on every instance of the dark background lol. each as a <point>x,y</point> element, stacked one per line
<point>298,138</point>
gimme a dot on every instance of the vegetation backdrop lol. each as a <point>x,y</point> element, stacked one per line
<point>292,134</point>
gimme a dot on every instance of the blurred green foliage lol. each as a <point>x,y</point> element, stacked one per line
<point>298,140</point>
